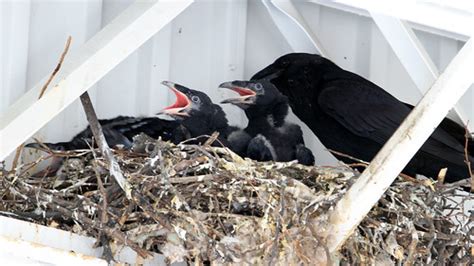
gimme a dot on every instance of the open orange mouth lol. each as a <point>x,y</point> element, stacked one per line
<point>243,91</point>
<point>181,104</point>
<point>247,96</point>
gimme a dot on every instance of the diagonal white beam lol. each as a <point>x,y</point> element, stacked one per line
<point>456,22</point>
<point>413,56</point>
<point>94,60</point>
<point>400,148</point>
<point>293,26</point>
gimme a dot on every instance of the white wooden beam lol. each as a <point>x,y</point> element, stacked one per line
<point>400,148</point>
<point>94,60</point>
<point>456,22</point>
<point>15,251</point>
<point>413,57</point>
<point>293,27</point>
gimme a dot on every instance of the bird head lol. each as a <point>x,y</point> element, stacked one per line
<point>259,98</point>
<point>188,101</point>
<point>296,75</point>
<point>259,93</point>
<point>196,110</point>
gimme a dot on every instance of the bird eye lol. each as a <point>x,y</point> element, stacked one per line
<point>258,86</point>
<point>195,99</point>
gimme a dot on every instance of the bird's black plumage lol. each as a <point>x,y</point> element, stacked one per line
<point>266,109</point>
<point>354,116</point>
<point>119,131</point>
<point>194,113</point>
<point>202,116</point>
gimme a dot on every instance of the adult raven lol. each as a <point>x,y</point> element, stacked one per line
<point>352,115</point>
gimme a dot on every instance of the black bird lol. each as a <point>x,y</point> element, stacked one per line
<point>266,109</point>
<point>200,116</point>
<point>194,113</point>
<point>119,132</point>
<point>352,115</point>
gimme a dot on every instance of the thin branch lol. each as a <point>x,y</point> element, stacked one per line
<point>99,137</point>
<point>58,66</point>
<point>466,154</point>
<point>43,89</point>
<point>348,156</point>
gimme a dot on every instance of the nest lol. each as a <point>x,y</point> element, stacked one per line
<point>201,203</point>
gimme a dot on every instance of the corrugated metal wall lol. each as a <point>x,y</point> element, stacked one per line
<point>210,42</point>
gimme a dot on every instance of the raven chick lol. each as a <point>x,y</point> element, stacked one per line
<point>194,113</point>
<point>266,108</point>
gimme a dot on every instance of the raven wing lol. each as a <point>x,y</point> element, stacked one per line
<point>371,112</point>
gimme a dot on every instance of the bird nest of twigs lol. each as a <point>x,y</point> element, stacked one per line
<point>201,203</point>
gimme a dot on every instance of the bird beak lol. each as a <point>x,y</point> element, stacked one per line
<point>181,105</point>
<point>247,96</point>
<point>268,73</point>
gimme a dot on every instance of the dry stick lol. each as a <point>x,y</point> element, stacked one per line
<point>348,156</point>
<point>278,227</point>
<point>466,154</point>
<point>362,163</point>
<point>56,70</point>
<point>43,89</point>
<point>104,219</point>
<point>99,137</point>
<point>32,193</point>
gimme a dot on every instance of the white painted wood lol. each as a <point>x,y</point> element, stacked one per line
<point>289,9</point>
<point>13,251</point>
<point>13,44</point>
<point>409,50</point>
<point>413,56</point>
<point>108,48</point>
<point>291,25</point>
<point>392,158</point>
<point>51,240</point>
<point>457,16</point>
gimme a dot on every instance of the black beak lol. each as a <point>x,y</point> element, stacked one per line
<point>268,73</point>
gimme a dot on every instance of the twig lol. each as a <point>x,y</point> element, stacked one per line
<point>58,66</point>
<point>192,179</point>
<point>104,219</point>
<point>361,163</point>
<point>410,260</point>
<point>466,154</point>
<point>99,137</point>
<point>211,139</point>
<point>278,227</point>
<point>43,89</point>
<point>348,156</point>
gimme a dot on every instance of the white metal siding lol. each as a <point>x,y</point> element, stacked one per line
<point>210,42</point>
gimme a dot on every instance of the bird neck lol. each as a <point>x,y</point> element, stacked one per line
<point>260,123</point>
<point>268,115</point>
<point>207,123</point>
